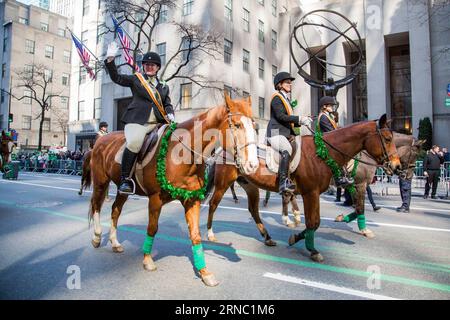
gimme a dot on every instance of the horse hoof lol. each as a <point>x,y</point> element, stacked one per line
<point>212,239</point>
<point>339,218</point>
<point>150,266</point>
<point>236,200</point>
<point>95,244</point>
<point>210,280</point>
<point>292,240</point>
<point>317,257</point>
<point>298,223</point>
<point>80,193</point>
<point>270,243</point>
<point>118,249</point>
<point>368,233</point>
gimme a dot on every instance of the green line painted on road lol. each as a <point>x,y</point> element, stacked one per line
<point>261,256</point>
<point>358,257</point>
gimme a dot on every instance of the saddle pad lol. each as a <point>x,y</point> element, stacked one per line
<point>272,157</point>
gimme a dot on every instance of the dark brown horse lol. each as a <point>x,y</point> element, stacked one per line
<point>408,149</point>
<point>229,126</point>
<point>312,177</point>
<point>85,172</point>
<point>6,148</point>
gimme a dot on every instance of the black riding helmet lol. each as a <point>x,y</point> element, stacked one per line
<point>103,124</point>
<point>327,100</point>
<point>152,57</point>
<point>281,76</point>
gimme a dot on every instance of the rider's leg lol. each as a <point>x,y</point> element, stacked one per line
<point>134,135</point>
<point>282,145</point>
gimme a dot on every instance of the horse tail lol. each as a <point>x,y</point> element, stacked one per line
<point>86,179</point>
<point>211,167</point>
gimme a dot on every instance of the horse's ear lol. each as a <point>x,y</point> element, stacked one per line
<point>382,123</point>
<point>228,102</point>
<point>420,143</point>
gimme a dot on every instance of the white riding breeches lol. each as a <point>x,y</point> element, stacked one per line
<point>135,135</point>
<point>280,143</point>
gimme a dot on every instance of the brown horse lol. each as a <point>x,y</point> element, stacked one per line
<point>408,149</point>
<point>85,172</point>
<point>6,148</point>
<point>229,126</point>
<point>312,177</point>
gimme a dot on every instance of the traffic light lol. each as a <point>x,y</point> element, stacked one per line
<point>10,118</point>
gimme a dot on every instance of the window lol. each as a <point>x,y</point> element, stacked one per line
<point>101,30</point>
<point>227,51</point>
<point>44,26</point>
<point>80,110</point>
<point>29,46</point>
<point>246,20</point>
<point>49,52</point>
<point>65,79</point>
<point>245,94</point>
<point>186,47</point>
<point>163,14</point>
<point>27,93</point>
<point>61,32</point>
<point>82,75</point>
<point>245,60</point>
<point>85,7</point>
<point>97,108</point>
<point>229,10</point>
<point>228,90</point>
<point>48,75</point>
<point>261,107</point>
<point>187,7</point>
<point>274,39</point>
<point>161,48</point>
<point>3,70</point>
<point>46,124</point>
<point>23,20</point>
<point>2,100</point>
<point>28,70</point>
<point>261,30</point>
<point>84,37</point>
<point>186,95</point>
<point>274,71</point>
<point>261,2</point>
<point>26,122</point>
<point>274,8</point>
<point>5,40</point>
<point>65,102</point>
<point>66,58</point>
<point>261,68</point>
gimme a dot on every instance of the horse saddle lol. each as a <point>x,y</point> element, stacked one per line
<point>272,156</point>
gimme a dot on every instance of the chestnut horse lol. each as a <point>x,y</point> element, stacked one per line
<point>229,125</point>
<point>6,148</point>
<point>312,177</point>
<point>408,149</point>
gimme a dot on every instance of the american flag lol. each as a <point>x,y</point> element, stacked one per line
<point>84,56</point>
<point>125,44</point>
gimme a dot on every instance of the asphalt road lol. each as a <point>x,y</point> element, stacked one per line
<point>46,251</point>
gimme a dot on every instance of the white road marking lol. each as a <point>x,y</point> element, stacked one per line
<point>328,287</point>
<point>378,224</point>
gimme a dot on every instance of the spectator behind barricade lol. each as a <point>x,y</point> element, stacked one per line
<point>446,155</point>
<point>432,169</point>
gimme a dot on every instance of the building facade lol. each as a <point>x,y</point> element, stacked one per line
<point>31,37</point>
<point>62,7</point>
<point>253,48</point>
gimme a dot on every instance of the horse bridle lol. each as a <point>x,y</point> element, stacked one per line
<point>386,156</point>
<point>402,173</point>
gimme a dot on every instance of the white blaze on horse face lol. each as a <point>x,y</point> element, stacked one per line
<point>252,162</point>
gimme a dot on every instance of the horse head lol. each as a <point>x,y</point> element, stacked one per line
<point>408,149</point>
<point>6,149</point>
<point>241,127</point>
<point>381,146</point>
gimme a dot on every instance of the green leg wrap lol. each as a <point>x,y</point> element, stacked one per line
<point>199,256</point>
<point>148,244</point>
<point>352,216</point>
<point>361,222</point>
<point>309,240</point>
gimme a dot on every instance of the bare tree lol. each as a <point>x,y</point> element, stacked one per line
<point>38,84</point>
<point>195,43</point>
<point>61,118</point>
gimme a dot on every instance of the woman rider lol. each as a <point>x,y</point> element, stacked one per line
<point>150,105</point>
<point>281,127</point>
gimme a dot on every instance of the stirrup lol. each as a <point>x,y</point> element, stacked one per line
<point>125,192</point>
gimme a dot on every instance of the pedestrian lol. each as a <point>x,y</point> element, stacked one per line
<point>432,170</point>
<point>446,155</point>
<point>370,196</point>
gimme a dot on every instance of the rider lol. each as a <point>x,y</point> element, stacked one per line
<point>327,123</point>
<point>281,127</point>
<point>103,130</point>
<point>151,105</point>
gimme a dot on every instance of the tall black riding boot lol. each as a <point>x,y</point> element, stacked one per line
<point>126,183</point>
<point>285,184</point>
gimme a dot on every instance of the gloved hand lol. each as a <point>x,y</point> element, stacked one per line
<point>305,121</point>
<point>171,117</point>
<point>112,50</point>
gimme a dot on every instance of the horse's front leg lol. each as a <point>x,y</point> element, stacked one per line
<point>312,220</point>
<point>115,214</point>
<point>192,215</point>
<point>285,213</point>
<point>296,211</point>
<point>154,210</point>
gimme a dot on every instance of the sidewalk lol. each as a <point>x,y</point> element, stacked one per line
<point>418,188</point>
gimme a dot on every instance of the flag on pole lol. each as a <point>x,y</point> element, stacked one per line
<point>84,55</point>
<point>125,44</point>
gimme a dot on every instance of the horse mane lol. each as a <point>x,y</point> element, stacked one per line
<point>208,115</point>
